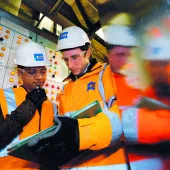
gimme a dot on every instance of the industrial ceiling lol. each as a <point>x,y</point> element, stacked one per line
<point>85,14</point>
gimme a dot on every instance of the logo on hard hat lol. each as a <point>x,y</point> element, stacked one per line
<point>38,57</point>
<point>156,50</point>
<point>63,35</point>
<point>130,31</point>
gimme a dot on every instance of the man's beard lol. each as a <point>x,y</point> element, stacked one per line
<point>162,89</point>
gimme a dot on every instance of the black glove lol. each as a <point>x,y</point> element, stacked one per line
<point>59,146</point>
<point>37,96</point>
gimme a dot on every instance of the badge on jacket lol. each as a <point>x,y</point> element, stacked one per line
<point>91,86</point>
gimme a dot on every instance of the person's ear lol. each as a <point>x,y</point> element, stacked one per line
<point>19,73</point>
<point>87,54</point>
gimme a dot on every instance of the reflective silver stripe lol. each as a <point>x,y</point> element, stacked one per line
<point>129,123</point>
<point>11,104</point>
<point>148,164</point>
<point>115,122</point>
<point>10,99</point>
<point>111,101</point>
<point>114,119</point>
<point>101,88</point>
<point>107,167</point>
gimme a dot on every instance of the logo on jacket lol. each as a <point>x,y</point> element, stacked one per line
<point>63,35</point>
<point>91,86</point>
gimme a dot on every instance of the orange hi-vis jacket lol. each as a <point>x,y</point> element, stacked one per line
<point>10,98</point>
<point>149,130</point>
<point>126,95</point>
<point>100,134</point>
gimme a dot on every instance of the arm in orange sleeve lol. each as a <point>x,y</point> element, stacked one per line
<point>146,127</point>
<point>100,131</point>
<point>105,128</point>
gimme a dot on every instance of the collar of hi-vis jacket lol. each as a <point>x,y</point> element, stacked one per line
<point>93,68</point>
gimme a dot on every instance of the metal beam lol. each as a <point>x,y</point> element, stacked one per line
<point>39,21</point>
<point>80,14</point>
<point>93,30</point>
<point>70,2</point>
<point>92,5</point>
<point>68,12</point>
<point>55,8</point>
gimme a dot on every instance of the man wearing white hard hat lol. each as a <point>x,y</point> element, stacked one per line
<point>149,129</point>
<point>100,135</point>
<point>120,40</point>
<point>25,110</point>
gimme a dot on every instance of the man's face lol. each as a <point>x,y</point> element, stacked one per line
<point>160,75</point>
<point>33,76</point>
<point>118,57</point>
<point>76,60</point>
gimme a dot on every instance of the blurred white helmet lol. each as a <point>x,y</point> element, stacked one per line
<point>72,37</point>
<point>119,35</point>
<point>31,54</point>
<point>158,49</point>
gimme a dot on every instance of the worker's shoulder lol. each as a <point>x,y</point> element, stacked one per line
<point>12,88</point>
<point>102,66</point>
<point>5,93</point>
<point>19,90</point>
<point>106,70</point>
<point>1,94</point>
<point>2,90</point>
<point>99,68</point>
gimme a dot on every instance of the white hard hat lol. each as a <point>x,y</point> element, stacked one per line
<point>31,54</point>
<point>158,49</point>
<point>72,37</point>
<point>119,35</point>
